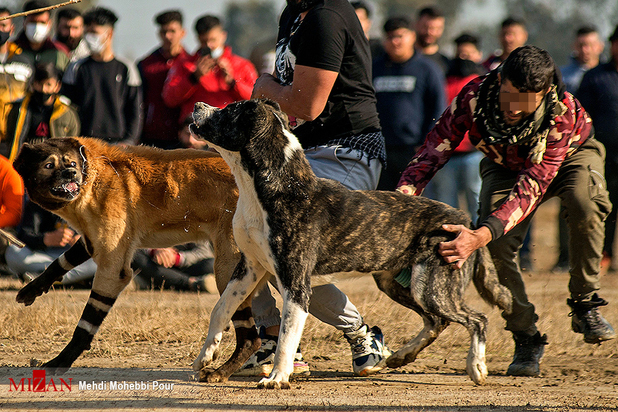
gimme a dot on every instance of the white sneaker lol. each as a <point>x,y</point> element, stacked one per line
<point>369,353</point>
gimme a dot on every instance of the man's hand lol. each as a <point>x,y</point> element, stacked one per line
<point>467,241</point>
<point>226,70</point>
<point>60,237</point>
<point>203,65</point>
<point>165,257</point>
<point>263,84</point>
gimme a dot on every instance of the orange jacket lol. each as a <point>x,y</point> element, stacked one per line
<point>11,194</point>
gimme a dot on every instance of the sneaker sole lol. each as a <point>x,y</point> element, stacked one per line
<point>374,369</point>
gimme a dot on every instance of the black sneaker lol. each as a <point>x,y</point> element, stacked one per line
<point>528,353</point>
<point>586,319</point>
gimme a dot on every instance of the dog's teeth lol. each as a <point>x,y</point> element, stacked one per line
<point>70,187</point>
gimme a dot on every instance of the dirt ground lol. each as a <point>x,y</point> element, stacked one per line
<point>141,358</point>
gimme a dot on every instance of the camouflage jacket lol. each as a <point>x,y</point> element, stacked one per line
<point>568,130</point>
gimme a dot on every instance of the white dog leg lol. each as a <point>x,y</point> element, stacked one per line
<point>292,325</point>
<point>234,294</point>
<point>475,365</point>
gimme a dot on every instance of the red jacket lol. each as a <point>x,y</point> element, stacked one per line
<point>160,121</point>
<point>454,84</point>
<point>181,90</point>
<point>567,133</point>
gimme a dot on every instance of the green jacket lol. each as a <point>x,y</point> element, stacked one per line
<point>63,122</point>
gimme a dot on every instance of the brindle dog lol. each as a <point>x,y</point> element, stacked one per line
<point>290,223</point>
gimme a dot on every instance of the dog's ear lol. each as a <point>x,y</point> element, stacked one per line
<point>272,103</point>
<point>25,159</point>
<point>66,142</point>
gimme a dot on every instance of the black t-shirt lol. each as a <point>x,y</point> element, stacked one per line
<point>108,96</point>
<point>38,127</point>
<point>330,37</point>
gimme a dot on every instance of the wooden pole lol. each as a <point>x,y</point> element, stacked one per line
<point>11,239</point>
<point>41,10</point>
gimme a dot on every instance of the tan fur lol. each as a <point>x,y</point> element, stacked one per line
<point>130,198</point>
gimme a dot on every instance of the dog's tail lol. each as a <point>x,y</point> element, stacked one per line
<point>485,280</point>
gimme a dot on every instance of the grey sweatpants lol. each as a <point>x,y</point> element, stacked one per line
<point>328,304</point>
<point>22,260</point>
<point>580,184</point>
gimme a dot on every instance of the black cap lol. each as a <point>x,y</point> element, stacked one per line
<point>614,35</point>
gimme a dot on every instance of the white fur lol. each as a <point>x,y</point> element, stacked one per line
<point>64,263</point>
<point>87,326</point>
<point>231,298</point>
<point>99,305</point>
<point>292,146</point>
<point>292,325</point>
<point>251,230</point>
<point>475,364</point>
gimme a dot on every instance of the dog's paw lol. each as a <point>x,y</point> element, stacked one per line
<point>54,367</point>
<point>276,380</point>
<point>211,376</point>
<point>28,294</point>
<point>268,383</point>
<point>477,370</point>
<point>397,360</point>
<point>204,360</point>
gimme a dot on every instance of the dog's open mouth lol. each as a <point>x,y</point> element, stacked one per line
<point>68,189</point>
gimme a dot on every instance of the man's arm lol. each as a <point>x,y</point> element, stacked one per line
<point>180,83</point>
<point>305,98</point>
<point>133,115</point>
<point>12,196</point>
<point>441,141</point>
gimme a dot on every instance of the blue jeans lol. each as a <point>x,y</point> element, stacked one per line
<point>328,303</point>
<point>25,260</point>
<point>459,175</point>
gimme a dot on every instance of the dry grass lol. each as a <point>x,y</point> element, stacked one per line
<point>166,329</point>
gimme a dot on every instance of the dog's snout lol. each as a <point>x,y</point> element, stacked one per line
<point>69,173</point>
<point>201,112</point>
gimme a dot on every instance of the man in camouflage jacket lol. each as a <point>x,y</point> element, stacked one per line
<point>538,143</point>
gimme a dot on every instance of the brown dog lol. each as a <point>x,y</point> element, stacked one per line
<point>122,199</point>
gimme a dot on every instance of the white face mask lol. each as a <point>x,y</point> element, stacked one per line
<point>37,32</point>
<point>216,53</point>
<point>95,43</point>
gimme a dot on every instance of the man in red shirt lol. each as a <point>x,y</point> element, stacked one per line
<point>160,121</point>
<point>538,143</point>
<point>212,75</point>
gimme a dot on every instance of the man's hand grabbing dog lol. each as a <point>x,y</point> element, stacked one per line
<point>467,241</point>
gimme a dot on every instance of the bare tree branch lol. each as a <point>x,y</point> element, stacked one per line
<point>41,10</point>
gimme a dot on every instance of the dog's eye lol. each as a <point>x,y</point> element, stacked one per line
<point>49,165</point>
<point>73,164</point>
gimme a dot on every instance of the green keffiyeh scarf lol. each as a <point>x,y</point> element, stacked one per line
<point>531,132</point>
